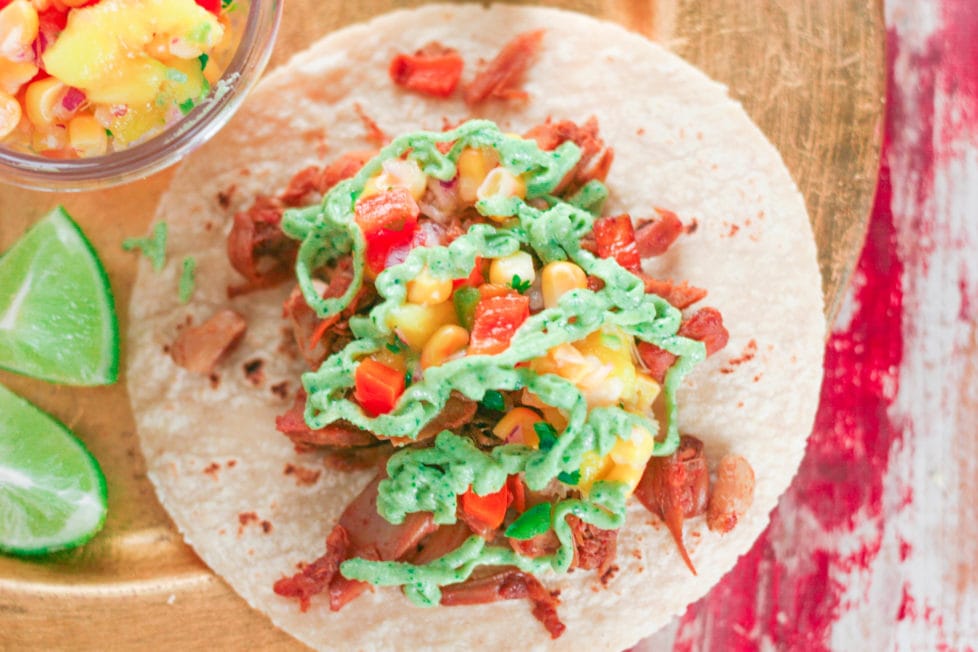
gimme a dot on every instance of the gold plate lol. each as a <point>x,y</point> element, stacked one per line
<point>811,74</point>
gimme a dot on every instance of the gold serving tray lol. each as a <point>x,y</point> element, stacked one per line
<point>811,74</point>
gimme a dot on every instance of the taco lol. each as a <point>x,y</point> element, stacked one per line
<point>572,370</point>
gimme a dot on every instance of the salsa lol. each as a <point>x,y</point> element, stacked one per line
<point>81,78</point>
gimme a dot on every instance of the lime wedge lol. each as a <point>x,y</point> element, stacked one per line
<point>57,316</point>
<point>52,492</point>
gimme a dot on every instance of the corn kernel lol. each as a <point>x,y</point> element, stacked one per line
<point>14,74</point>
<point>87,137</point>
<point>9,114</point>
<point>500,182</point>
<point>41,101</point>
<point>53,138</point>
<point>503,271</point>
<point>473,166</point>
<point>398,173</point>
<point>559,278</point>
<point>429,290</point>
<point>159,47</point>
<point>18,29</point>
<point>415,324</point>
<point>445,342</point>
<point>516,427</point>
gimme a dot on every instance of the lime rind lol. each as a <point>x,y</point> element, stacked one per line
<point>53,494</point>
<point>59,342</point>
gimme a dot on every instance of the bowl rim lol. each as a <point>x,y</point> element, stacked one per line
<point>173,143</point>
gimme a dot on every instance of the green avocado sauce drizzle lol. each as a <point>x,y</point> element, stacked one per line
<point>430,479</point>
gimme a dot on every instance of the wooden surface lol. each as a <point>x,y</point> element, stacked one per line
<point>811,75</point>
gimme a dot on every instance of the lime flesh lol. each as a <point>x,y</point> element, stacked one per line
<point>52,492</point>
<point>57,315</point>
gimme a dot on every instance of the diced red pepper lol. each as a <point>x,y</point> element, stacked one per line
<point>706,326</point>
<point>654,238</point>
<point>377,386</point>
<point>388,220</point>
<point>433,70</point>
<point>615,237</point>
<point>475,279</point>
<point>656,359</point>
<point>213,6</point>
<point>484,513</point>
<point>496,320</point>
<point>518,490</point>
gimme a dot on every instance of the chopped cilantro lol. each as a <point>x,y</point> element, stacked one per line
<point>546,433</point>
<point>397,345</point>
<point>188,279</point>
<point>569,478</point>
<point>204,58</point>
<point>108,132</point>
<point>533,522</point>
<point>493,400</point>
<point>186,106</point>
<point>153,247</point>
<point>519,284</point>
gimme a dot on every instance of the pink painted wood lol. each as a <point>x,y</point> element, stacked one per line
<point>875,546</point>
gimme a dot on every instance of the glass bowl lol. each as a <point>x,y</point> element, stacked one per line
<point>176,141</point>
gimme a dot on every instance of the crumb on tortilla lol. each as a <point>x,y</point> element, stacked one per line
<point>225,196</point>
<point>748,354</point>
<point>245,519</point>
<point>212,469</point>
<point>375,135</point>
<point>231,463</point>
<point>253,371</point>
<point>608,575</point>
<point>215,379</point>
<point>281,389</point>
<point>303,476</point>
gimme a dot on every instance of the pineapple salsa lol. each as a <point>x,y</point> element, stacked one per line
<point>81,78</point>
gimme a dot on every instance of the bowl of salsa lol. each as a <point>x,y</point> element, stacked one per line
<point>94,93</point>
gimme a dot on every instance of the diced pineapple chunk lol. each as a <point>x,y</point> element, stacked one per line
<point>185,82</point>
<point>634,450</point>
<point>415,324</point>
<point>625,473</point>
<point>102,48</point>
<point>646,390</point>
<point>138,122</point>
<point>593,468</point>
<point>133,81</point>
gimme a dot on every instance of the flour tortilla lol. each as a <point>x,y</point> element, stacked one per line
<point>680,143</point>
